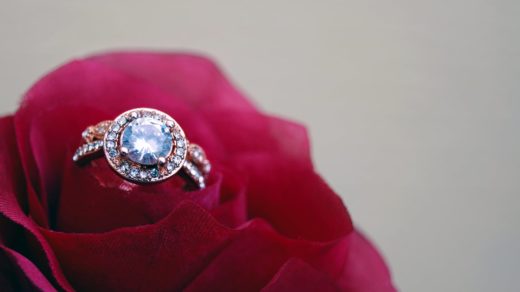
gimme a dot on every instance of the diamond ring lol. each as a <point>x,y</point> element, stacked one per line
<point>145,145</point>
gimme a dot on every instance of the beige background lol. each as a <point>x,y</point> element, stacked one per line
<point>413,106</point>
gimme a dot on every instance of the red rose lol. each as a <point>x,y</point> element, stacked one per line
<point>265,221</point>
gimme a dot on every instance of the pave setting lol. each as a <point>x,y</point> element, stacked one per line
<point>145,145</point>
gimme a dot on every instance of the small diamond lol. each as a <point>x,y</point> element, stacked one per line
<point>206,168</point>
<point>111,144</point>
<point>180,143</point>
<point>196,153</point>
<point>170,167</point>
<point>121,121</point>
<point>154,173</point>
<point>143,174</point>
<point>170,124</point>
<point>134,172</point>
<point>124,167</point>
<point>112,153</point>
<point>100,128</point>
<point>197,157</point>
<point>85,134</point>
<point>115,127</point>
<point>177,160</point>
<point>134,115</point>
<point>112,136</point>
<point>177,134</point>
<point>195,173</point>
<point>180,151</point>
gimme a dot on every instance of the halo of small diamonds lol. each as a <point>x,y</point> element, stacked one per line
<point>118,156</point>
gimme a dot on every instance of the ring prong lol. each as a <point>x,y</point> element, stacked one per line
<point>161,160</point>
<point>124,151</point>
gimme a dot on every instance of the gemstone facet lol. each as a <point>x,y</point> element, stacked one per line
<point>147,139</point>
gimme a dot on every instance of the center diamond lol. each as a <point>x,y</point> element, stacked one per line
<point>147,139</point>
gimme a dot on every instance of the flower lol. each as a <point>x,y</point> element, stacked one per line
<point>265,221</point>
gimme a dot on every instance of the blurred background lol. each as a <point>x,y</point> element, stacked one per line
<point>413,106</point>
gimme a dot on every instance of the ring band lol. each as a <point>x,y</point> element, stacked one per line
<point>145,145</point>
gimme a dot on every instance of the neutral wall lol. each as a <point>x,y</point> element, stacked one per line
<point>413,106</point>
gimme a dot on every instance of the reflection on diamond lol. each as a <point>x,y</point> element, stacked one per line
<point>154,173</point>
<point>134,172</point>
<point>146,140</point>
<point>177,160</point>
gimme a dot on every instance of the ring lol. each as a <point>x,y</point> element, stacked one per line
<point>145,145</point>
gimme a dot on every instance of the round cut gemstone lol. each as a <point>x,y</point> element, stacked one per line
<point>134,172</point>
<point>147,139</point>
<point>112,153</point>
<point>124,167</point>
<point>154,173</point>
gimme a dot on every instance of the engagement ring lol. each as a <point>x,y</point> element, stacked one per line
<point>145,146</point>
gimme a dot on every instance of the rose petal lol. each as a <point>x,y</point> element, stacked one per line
<point>195,80</point>
<point>158,257</point>
<point>243,132</point>
<point>296,275</point>
<point>257,252</point>
<point>10,174</point>
<point>231,210</point>
<point>365,269</point>
<point>105,201</point>
<point>293,198</point>
<point>29,276</point>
